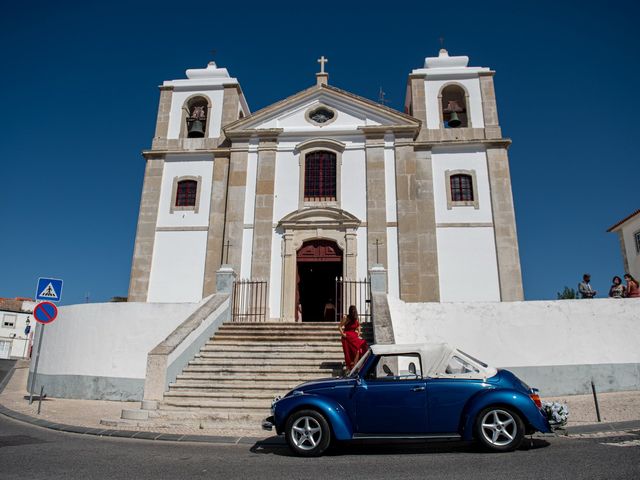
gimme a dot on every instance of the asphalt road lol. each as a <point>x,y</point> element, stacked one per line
<point>29,452</point>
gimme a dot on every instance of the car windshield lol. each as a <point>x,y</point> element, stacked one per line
<point>356,370</point>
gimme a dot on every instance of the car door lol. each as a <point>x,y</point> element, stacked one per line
<point>391,397</point>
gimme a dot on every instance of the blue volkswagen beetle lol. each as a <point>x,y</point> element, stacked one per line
<point>425,391</point>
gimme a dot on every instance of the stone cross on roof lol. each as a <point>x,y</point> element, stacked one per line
<point>322,77</point>
<point>322,61</point>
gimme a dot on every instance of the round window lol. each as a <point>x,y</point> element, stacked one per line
<point>321,115</point>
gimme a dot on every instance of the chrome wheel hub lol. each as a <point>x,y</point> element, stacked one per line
<point>306,433</point>
<point>499,428</point>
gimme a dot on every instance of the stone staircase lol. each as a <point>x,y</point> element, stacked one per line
<point>230,383</point>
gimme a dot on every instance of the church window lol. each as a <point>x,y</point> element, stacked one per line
<point>320,115</point>
<point>196,116</point>
<point>462,189</point>
<point>186,193</point>
<point>320,176</point>
<point>454,107</point>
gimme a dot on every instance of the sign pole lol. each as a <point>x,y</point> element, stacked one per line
<point>35,367</point>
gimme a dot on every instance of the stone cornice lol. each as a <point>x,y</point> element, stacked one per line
<point>261,133</point>
<point>493,143</point>
<point>401,130</point>
<point>148,154</point>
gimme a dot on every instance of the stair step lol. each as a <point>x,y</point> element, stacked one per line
<point>272,342</point>
<point>278,339</point>
<point>212,414</point>
<point>292,356</point>
<point>249,376</point>
<point>268,362</point>
<point>228,395</point>
<point>203,402</point>
<point>246,385</point>
<point>257,371</point>
<point>271,347</point>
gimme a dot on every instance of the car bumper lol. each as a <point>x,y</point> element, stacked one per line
<point>268,423</point>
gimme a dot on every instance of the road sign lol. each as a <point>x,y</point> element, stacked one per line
<point>45,312</point>
<point>49,289</point>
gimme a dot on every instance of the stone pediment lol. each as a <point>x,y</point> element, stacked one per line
<point>319,217</point>
<point>346,112</point>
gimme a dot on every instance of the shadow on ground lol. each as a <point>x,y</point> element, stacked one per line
<point>277,446</point>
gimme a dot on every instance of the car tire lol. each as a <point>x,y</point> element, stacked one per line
<point>307,433</point>
<point>499,429</point>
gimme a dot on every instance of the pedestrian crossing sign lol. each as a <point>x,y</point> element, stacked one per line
<point>49,289</point>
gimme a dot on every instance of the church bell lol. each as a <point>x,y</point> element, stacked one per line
<point>196,129</point>
<point>454,121</point>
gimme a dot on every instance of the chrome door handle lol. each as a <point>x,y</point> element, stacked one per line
<point>417,389</point>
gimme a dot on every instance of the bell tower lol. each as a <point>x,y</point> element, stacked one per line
<point>461,140</point>
<point>181,221</point>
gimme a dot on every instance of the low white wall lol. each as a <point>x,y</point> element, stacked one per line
<point>99,350</point>
<point>558,346</point>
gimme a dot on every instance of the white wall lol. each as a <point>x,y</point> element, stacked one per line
<point>432,89</point>
<point>633,256</point>
<point>517,334</point>
<point>178,166</point>
<point>178,99</point>
<point>469,158</point>
<point>275,278</point>
<point>107,339</point>
<point>177,267</point>
<point>467,264</point>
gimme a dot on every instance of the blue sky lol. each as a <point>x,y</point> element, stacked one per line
<point>79,99</point>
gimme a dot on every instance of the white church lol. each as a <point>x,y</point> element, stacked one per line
<point>326,184</point>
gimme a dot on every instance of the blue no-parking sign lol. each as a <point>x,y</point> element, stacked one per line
<point>49,289</point>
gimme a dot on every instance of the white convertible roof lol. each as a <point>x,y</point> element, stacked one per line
<point>440,360</point>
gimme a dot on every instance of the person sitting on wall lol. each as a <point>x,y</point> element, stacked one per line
<point>633,290</point>
<point>584,287</point>
<point>617,290</point>
<point>353,345</point>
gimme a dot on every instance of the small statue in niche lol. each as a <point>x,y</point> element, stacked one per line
<point>198,113</point>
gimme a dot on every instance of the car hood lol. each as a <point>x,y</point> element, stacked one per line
<point>322,383</point>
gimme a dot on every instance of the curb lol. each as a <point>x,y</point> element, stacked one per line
<point>604,427</point>
<point>110,432</point>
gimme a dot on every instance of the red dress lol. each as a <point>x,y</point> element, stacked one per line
<point>352,344</point>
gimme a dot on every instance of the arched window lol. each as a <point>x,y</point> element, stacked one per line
<point>454,107</point>
<point>186,193</point>
<point>461,188</point>
<point>197,113</point>
<point>320,176</point>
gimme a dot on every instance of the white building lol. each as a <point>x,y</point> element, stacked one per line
<point>628,230</point>
<point>325,184</point>
<point>15,337</point>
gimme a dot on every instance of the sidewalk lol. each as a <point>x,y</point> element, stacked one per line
<point>614,407</point>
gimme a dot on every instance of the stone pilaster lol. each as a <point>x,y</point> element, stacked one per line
<point>215,235</point>
<point>376,202</point>
<point>489,106</point>
<point>263,211</point>
<point>236,190</point>
<point>428,279</point>
<point>164,110</point>
<point>146,230</point>
<point>230,105</point>
<point>418,102</point>
<point>407,221</point>
<point>504,222</point>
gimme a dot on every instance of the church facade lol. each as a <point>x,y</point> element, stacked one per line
<point>327,184</point>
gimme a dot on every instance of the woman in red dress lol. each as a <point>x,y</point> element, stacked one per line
<point>352,343</point>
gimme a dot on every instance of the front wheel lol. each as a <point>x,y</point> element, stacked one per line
<point>499,429</point>
<point>308,433</point>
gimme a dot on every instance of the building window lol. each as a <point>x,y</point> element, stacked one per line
<point>9,321</point>
<point>462,189</point>
<point>186,193</point>
<point>454,110</point>
<point>320,176</point>
<point>637,238</point>
<point>320,115</point>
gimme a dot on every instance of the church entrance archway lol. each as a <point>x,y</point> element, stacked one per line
<point>319,263</point>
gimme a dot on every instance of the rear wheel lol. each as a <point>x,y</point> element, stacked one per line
<point>499,429</point>
<point>308,433</point>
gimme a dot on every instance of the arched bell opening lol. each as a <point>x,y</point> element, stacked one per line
<point>454,107</point>
<point>196,117</point>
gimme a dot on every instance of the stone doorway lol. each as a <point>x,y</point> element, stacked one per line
<point>319,263</point>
